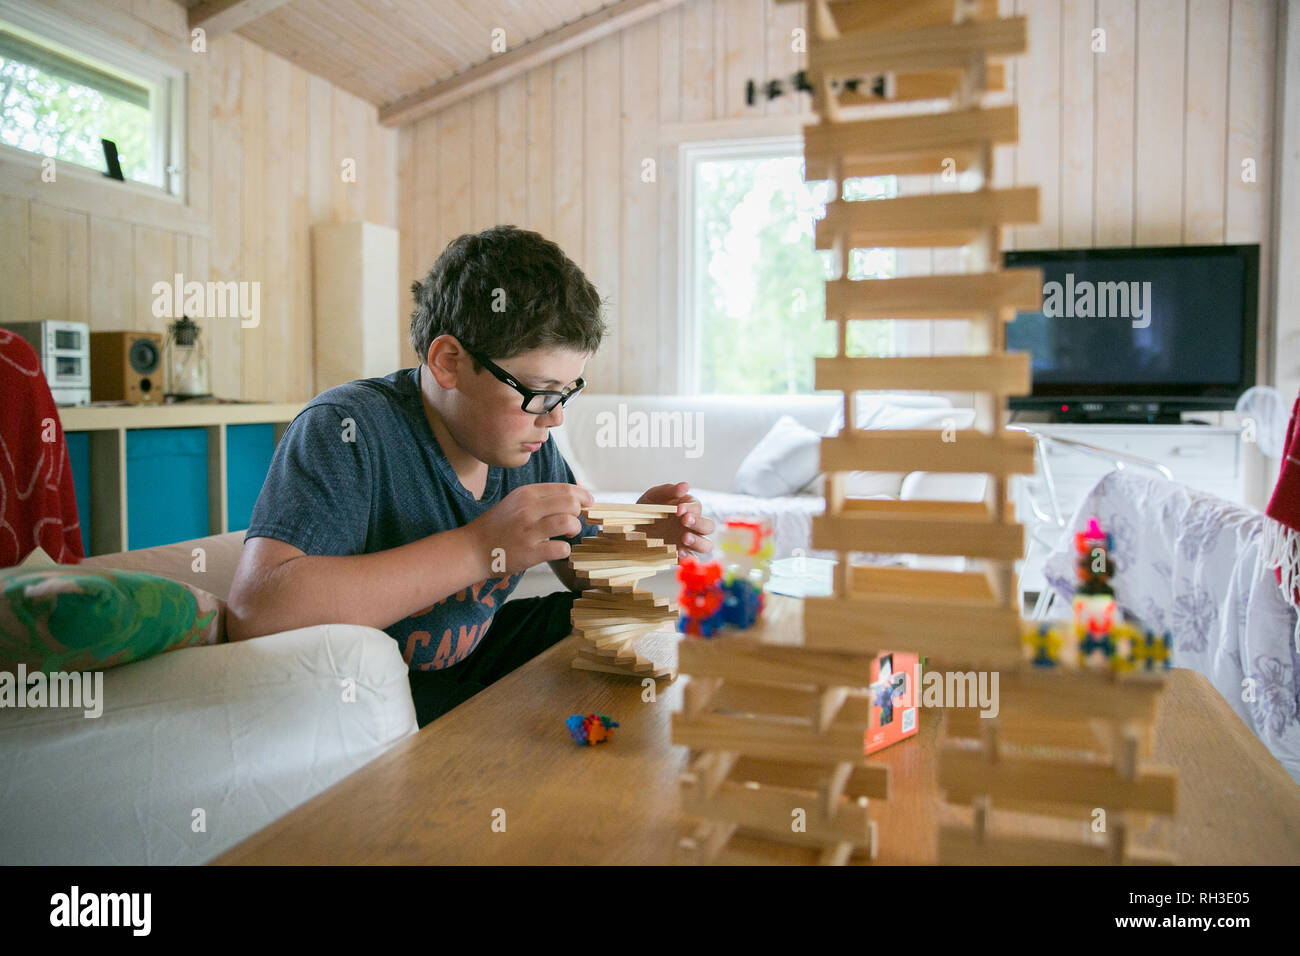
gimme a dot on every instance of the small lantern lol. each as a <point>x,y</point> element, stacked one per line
<point>185,361</point>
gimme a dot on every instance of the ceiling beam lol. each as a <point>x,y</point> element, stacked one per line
<point>224,16</point>
<point>500,68</point>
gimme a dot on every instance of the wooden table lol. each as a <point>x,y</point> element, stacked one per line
<point>432,798</point>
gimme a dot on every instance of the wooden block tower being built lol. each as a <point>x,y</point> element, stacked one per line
<point>613,616</point>
<point>774,718</point>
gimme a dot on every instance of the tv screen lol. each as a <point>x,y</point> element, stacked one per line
<point>1174,324</point>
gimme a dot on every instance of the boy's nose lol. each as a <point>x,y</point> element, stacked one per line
<point>554,418</point>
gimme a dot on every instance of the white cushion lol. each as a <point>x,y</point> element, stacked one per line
<point>245,732</point>
<point>782,462</point>
<point>861,484</point>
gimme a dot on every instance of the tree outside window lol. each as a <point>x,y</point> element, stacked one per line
<point>759,299</point>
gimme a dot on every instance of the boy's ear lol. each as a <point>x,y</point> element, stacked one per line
<point>444,360</point>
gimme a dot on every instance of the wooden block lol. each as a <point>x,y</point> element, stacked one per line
<point>740,658</point>
<point>609,620</point>
<point>940,219</point>
<point>638,597</point>
<point>620,654</point>
<point>610,636</point>
<point>617,562</point>
<point>1030,693</point>
<point>652,654</point>
<point>942,84</point>
<point>952,635</point>
<point>618,604</point>
<point>831,790</point>
<point>883,533</point>
<point>958,846</point>
<point>1025,729</point>
<point>769,739</point>
<point>919,164</point>
<point>827,705</point>
<point>635,549</point>
<point>933,135</point>
<point>787,701</point>
<point>610,613</point>
<point>925,449</point>
<point>697,694</point>
<point>771,810</point>
<point>865,779</point>
<point>1005,373</point>
<point>880,16</point>
<point>710,769</point>
<point>920,508</point>
<point>949,46</point>
<point>1058,780</point>
<point>868,580</point>
<point>614,524</point>
<point>621,574</point>
<point>658,672</point>
<point>635,510</point>
<point>956,296</point>
<point>623,536</point>
<point>603,546</point>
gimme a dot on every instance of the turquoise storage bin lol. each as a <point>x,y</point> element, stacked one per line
<point>166,485</point>
<point>248,458</point>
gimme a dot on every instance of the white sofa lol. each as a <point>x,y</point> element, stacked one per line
<point>198,748</point>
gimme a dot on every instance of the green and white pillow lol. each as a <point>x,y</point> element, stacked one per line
<point>56,617</point>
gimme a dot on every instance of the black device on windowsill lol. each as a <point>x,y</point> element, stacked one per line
<point>1138,334</point>
<point>110,160</point>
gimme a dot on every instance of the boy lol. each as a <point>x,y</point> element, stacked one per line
<point>414,502</point>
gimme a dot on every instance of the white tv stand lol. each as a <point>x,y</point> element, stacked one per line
<point>1072,458</point>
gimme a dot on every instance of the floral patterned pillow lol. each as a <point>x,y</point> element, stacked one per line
<point>73,618</point>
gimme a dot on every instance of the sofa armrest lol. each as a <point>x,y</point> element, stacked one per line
<point>220,740</point>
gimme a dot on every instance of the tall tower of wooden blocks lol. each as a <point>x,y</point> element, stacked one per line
<point>614,614</point>
<point>775,718</point>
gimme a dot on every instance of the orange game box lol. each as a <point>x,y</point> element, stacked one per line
<point>895,699</point>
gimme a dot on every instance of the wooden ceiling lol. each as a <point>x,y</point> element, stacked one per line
<point>411,57</point>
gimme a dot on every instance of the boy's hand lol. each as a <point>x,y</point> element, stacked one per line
<point>523,523</point>
<point>687,529</point>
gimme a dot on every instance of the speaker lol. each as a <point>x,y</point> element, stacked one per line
<point>126,367</point>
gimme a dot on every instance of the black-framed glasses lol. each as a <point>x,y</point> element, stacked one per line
<point>535,402</point>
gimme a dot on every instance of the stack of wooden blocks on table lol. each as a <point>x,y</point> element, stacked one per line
<point>613,614</point>
<point>775,719</point>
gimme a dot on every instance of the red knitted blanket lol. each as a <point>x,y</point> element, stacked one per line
<point>1282,541</point>
<point>37,503</point>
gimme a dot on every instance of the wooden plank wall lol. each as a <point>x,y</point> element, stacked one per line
<point>266,146</point>
<point>1140,144</point>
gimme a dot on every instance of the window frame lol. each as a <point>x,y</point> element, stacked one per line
<point>167,85</point>
<point>689,155</point>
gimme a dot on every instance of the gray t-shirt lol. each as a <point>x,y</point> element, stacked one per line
<point>358,470</point>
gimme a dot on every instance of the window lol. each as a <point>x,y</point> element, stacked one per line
<point>61,92</point>
<point>754,309</point>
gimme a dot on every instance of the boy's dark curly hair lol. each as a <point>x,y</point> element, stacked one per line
<point>505,291</point>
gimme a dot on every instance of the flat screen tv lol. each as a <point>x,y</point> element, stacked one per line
<point>1138,334</point>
